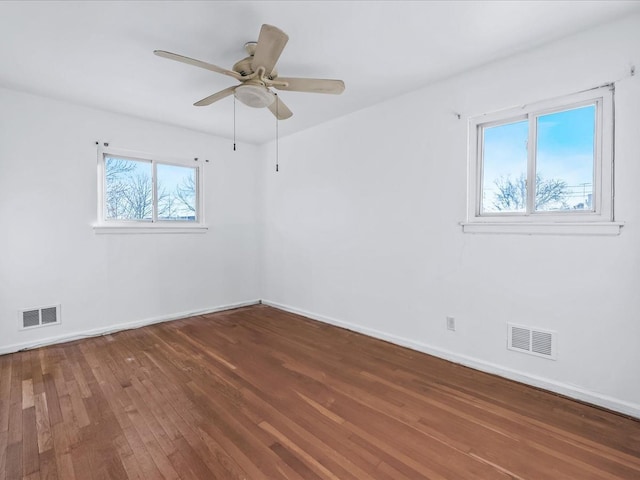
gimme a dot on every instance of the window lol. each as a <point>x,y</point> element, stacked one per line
<point>146,194</point>
<point>548,165</point>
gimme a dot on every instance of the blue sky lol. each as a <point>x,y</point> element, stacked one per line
<point>565,145</point>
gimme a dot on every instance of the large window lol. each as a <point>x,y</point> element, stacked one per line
<point>143,192</point>
<point>545,163</point>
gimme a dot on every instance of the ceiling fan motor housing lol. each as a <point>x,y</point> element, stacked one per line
<point>243,67</point>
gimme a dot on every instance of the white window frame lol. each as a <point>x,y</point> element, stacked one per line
<point>599,221</point>
<point>155,225</point>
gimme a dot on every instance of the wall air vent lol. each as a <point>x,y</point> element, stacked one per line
<point>39,316</point>
<point>541,343</point>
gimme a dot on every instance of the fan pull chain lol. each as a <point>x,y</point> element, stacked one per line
<point>277,152</point>
<point>234,123</point>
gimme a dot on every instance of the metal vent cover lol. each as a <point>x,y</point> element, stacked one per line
<point>30,318</point>
<point>49,315</point>
<point>39,316</point>
<point>541,343</point>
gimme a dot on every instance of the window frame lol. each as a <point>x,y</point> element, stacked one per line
<point>154,225</point>
<point>531,221</point>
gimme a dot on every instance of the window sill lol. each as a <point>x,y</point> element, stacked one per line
<point>567,228</point>
<point>152,228</point>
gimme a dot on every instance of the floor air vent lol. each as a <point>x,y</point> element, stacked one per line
<point>39,316</point>
<point>541,343</point>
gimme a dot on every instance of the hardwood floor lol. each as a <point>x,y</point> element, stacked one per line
<point>257,393</point>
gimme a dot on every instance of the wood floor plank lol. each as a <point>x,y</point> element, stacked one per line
<point>36,371</point>
<point>53,403</point>
<point>66,433</point>
<point>48,467</point>
<point>14,423</point>
<point>5,391</point>
<point>257,393</point>
<point>78,407</point>
<point>64,464</point>
<point>131,467</point>
<point>32,476</point>
<point>4,436</point>
<point>30,457</point>
<point>43,428</point>
<point>27,393</point>
<point>141,457</point>
<point>14,461</point>
<point>80,463</point>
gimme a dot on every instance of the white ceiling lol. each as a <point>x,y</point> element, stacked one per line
<point>100,53</point>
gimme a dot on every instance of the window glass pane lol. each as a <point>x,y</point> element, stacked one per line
<point>565,160</point>
<point>176,192</point>
<point>128,189</point>
<point>504,168</point>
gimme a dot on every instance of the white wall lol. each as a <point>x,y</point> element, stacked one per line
<point>361,229</point>
<point>49,253</point>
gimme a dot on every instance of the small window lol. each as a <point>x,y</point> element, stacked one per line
<point>545,163</point>
<point>144,192</point>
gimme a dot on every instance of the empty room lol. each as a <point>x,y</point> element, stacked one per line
<point>303,240</point>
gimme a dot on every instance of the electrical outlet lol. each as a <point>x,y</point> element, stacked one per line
<point>451,324</point>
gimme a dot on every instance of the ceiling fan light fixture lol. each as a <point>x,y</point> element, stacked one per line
<point>254,95</point>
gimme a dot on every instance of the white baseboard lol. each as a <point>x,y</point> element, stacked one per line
<point>621,406</point>
<point>119,327</point>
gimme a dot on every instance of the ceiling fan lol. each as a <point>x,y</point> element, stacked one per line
<point>257,74</point>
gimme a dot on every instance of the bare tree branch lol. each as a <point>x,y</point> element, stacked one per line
<point>139,196</point>
<point>512,194</point>
<point>186,193</point>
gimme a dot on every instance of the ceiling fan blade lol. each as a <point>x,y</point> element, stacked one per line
<point>197,63</point>
<point>313,85</point>
<point>279,109</point>
<point>215,97</point>
<point>271,42</point>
